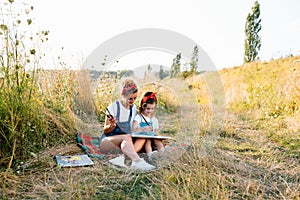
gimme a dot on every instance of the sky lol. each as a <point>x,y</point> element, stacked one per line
<point>217,26</point>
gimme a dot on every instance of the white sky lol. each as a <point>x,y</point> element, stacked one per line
<point>215,25</point>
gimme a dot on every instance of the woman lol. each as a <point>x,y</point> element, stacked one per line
<point>116,134</point>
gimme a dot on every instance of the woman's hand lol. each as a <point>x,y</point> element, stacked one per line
<point>111,124</point>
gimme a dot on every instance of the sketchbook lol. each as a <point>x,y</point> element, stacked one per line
<point>74,161</point>
<point>141,135</point>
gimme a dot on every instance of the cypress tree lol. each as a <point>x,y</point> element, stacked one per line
<point>252,41</point>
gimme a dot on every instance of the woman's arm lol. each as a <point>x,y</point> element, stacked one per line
<point>134,127</point>
<point>110,125</point>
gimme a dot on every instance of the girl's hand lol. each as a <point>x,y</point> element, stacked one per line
<point>147,128</point>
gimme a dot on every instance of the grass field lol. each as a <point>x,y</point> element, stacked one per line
<point>244,141</point>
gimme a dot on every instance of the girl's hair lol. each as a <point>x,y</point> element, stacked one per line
<point>148,98</point>
<point>128,87</point>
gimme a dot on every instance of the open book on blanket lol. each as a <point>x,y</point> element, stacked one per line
<point>74,161</point>
<point>150,135</point>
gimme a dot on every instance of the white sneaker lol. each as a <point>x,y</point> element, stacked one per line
<point>142,165</point>
<point>150,154</point>
<point>118,161</point>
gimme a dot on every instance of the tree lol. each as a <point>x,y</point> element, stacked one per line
<point>194,60</point>
<point>148,72</point>
<point>175,68</point>
<point>252,41</point>
<point>162,73</point>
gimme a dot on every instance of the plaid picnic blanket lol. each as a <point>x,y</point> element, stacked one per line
<point>90,145</point>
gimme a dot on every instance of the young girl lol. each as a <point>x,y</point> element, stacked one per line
<point>145,123</point>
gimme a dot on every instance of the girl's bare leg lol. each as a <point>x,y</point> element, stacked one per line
<point>138,144</point>
<point>159,145</point>
<point>123,142</point>
<point>148,147</point>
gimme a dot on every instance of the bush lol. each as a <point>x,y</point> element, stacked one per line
<point>30,119</point>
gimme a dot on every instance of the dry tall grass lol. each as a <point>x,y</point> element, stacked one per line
<point>251,155</point>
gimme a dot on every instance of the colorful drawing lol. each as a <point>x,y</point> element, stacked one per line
<point>73,161</point>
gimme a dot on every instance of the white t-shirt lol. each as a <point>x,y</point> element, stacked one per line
<point>153,120</point>
<point>124,113</point>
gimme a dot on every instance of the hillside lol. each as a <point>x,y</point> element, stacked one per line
<point>249,151</point>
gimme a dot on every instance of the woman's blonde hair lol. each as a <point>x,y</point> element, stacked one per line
<point>128,87</point>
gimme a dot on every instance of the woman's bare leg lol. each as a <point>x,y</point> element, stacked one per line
<point>123,142</point>
<point>138,144</point>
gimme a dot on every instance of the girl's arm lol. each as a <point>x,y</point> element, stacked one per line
<point>156,131</point>
<point>155,125</point>
<point>136,128</point>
